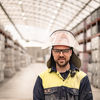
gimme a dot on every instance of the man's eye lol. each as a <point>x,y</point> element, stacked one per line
<point>65,50</point>
<point>57,50</point>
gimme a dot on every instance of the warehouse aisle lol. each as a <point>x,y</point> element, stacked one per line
<point>20,86</point>
<point>96,93</point>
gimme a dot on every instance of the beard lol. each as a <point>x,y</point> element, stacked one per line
<point>62,62</point>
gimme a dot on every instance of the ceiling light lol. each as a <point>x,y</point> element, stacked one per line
<point>23,14</point>
<point>53,17</point>
<point>20,2</point>
<point>24,18</point>
<point>58,4</point>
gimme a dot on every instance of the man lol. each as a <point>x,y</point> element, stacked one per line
<point>63,80</point>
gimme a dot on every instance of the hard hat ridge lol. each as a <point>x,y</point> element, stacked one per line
<point>64,37</point>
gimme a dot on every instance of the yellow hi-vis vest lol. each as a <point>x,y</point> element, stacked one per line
<point>54,85</point>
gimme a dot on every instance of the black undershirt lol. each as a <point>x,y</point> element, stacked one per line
<point>65,74</point>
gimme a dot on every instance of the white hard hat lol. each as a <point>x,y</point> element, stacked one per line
<point>62,37</point>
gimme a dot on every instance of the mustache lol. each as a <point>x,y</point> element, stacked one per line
<point>61,58</point>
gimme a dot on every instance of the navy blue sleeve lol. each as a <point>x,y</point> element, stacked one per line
<point>38,91</point>
<point>85,92</point>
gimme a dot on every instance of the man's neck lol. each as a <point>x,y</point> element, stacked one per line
<point>63,69</point>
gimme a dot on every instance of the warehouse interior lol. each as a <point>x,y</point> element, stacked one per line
<point>25,26</point>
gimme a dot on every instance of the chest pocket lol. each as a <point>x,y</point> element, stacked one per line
<point>72,94</point>
<point>51,94</point>
<point>61,93</point>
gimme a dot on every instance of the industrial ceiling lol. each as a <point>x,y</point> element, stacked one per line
<point>45,14</point>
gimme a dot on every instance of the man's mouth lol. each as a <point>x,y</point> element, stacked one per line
<point>61,58</point>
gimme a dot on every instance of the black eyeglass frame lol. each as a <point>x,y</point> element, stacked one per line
<point>61,50</point>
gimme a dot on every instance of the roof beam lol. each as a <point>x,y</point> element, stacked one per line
<point>11,21</point>
<point>78,13</point>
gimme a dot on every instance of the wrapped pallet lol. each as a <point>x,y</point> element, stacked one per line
<point>95,43</point>
<point>9,60</point>
<point>96,61</point>
<point>23,59</point>
<point>97,73</point>
<point>96,55</point>
<point>90,72</point>
<point>17,58</point>
<point>2,56</point>
<point>98,82</point>
<point>85,59</point>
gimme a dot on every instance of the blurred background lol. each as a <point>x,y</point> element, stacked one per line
<point>25,25</point>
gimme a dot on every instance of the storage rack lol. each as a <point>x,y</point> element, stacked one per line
<point>2,55</point>
<point>15,56</point>
<point>89,40</point>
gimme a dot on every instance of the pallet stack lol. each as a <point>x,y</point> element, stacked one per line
<point>96,61</point>
<point>12,55</point>
<point>87,33</point>
<point>17,59</point>
<point>9,56</point>
<point>2,56</point>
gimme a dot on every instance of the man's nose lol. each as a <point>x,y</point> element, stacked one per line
<point>61,53</point>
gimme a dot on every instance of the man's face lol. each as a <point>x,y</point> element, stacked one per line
<point>61,55</point>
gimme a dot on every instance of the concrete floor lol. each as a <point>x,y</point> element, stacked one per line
<point>20,86</point>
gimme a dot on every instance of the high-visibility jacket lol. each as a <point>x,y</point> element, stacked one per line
<point>50,85</point>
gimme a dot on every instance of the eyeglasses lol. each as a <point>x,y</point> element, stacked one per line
<point>64,51</point>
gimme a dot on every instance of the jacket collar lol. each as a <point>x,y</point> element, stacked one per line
<point>72,67</point>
